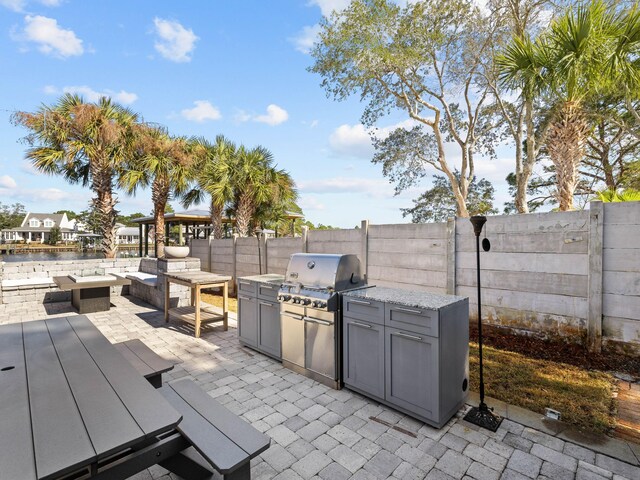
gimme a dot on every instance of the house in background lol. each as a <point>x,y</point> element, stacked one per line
<point>127,235</point>
<point>36,228</point>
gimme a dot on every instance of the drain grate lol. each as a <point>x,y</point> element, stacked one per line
<point>395,427</point>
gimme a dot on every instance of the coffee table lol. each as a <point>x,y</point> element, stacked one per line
<point>90,294</point>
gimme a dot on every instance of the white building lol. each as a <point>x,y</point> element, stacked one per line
<point>36,227</point>
<point>127,235</point>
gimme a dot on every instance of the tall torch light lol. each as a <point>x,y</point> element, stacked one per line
<point>481,415</point>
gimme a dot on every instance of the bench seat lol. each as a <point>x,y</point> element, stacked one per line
<point>223,439</point>
<point>144,360</point>
<point>145,278</point>
<point>27,283</point>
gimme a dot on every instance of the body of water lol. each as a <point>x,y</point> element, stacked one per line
<point>52,256</point>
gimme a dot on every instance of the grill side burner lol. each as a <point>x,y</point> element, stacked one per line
<point>310,313</point>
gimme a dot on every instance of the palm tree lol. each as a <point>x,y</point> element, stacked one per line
<point>212,173</point>
<point>162,162</point>
<point>253,180</point>
<point>281,199</point>
<point>85,143</point>
<point>565,63</point>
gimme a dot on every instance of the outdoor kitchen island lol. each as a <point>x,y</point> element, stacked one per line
<point>407,349</point>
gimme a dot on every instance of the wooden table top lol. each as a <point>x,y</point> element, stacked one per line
<point>68,398</point>
<point>68,283</point>
<point>198,278</point>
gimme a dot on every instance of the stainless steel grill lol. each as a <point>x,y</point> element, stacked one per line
<point>310,313</point>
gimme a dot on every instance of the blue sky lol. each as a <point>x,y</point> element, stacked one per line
<point>199,68</point>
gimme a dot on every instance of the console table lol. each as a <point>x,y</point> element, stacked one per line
<point>195,314</point>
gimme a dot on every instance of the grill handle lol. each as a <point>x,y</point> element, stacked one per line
<point>242,297</point>
<point>267,304</point>
<point>364,325</point>
<point>359,302</point>
<point>244,283</point>
<point>292,315</point>
<point>406,335</point>
<point>318,321</point>
<point>408,310</point>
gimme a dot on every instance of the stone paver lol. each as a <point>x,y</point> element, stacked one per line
<point>320,433</point>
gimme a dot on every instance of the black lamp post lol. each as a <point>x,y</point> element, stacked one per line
<point>481,415</point>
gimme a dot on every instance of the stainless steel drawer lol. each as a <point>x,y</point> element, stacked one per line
<point>246,287</point>
<point>268,291</point>
<point>363,309</point>
<point>413,319</point>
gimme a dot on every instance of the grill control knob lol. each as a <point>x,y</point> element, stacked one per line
<point>315,303</point>
<point>286,298</point>
<point>296,300</point>
<point>322,304</point>
<point>306,301</point>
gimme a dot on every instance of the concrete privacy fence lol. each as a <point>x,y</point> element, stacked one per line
<point>570,274</point>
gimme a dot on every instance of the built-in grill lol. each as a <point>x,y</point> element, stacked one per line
<point>310,313</point>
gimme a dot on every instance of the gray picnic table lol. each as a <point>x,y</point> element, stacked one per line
<point>71,405</point>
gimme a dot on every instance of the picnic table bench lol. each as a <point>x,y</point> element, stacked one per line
<point>148,363</point>
<point>224,440</point>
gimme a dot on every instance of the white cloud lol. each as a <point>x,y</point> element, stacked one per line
<point>372,187</point>
<point>351,140</point>
<point>176,43</point>
<point>19,5</point>
<point>305,39</point>
<point>355,140</point>
<point>50,37</point>
<point>15,5</point>
<point>275,116</point>
<point>328,6</point>
<point>202,111</point>
<point>7,182</point>
<point>92,95</point>
<point>308,202</point>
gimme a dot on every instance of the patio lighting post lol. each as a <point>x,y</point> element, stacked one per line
<point>481,415</point>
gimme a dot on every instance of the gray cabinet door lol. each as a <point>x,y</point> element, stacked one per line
<point>411,371</point>
<point>248,320</point>
<point>363,362</point>
<point>269,328</point>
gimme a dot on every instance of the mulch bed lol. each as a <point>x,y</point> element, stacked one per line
<point>557,350</point>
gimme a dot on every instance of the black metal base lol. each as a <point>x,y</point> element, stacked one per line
<point>483,417</point>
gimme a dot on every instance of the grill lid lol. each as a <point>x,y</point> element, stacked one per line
<point>323,271</point>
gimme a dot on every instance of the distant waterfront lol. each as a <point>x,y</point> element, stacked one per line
<point>50,256</point>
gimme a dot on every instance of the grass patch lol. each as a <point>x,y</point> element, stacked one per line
<point>216,299</point>
<point>583,397</point>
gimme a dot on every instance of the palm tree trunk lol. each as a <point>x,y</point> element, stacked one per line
<point>159,196</point>
<point>244,212</point>
<point>105,207</point>
<point>216,219</point>
<point>566,145</point>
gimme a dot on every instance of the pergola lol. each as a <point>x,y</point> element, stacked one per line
<point>197,223</point>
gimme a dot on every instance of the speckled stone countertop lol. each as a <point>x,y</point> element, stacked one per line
<point>266,278</point>
<point>408,298</point>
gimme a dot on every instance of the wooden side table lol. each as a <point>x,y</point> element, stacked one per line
<point>195,314</point>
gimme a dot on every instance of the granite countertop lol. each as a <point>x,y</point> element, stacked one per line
<point>266,278</point>
<point>408,298</point>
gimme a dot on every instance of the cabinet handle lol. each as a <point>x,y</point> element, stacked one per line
<point>268,287</point>
<point>361,324</point>
<point>360,302</point>
<point>408,310</point>
<point>244,283</point>
<point>267,304</point>
<point>244,298</point>
<point>291,315</point>
<point>315,320</point>
<point>406,335</point>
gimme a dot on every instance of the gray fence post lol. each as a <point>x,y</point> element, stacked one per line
<point>262,245</point>
<point>364,238</point>
<point>235,262</point>
<point>305,239</point>
<point>451,256</point>
<point>596,236</point>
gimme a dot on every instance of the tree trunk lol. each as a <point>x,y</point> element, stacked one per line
<point>244,212</point>
<point>566,145</point>
<point>105,207</point>
<point>216,220</point>
<point>159,197</point>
